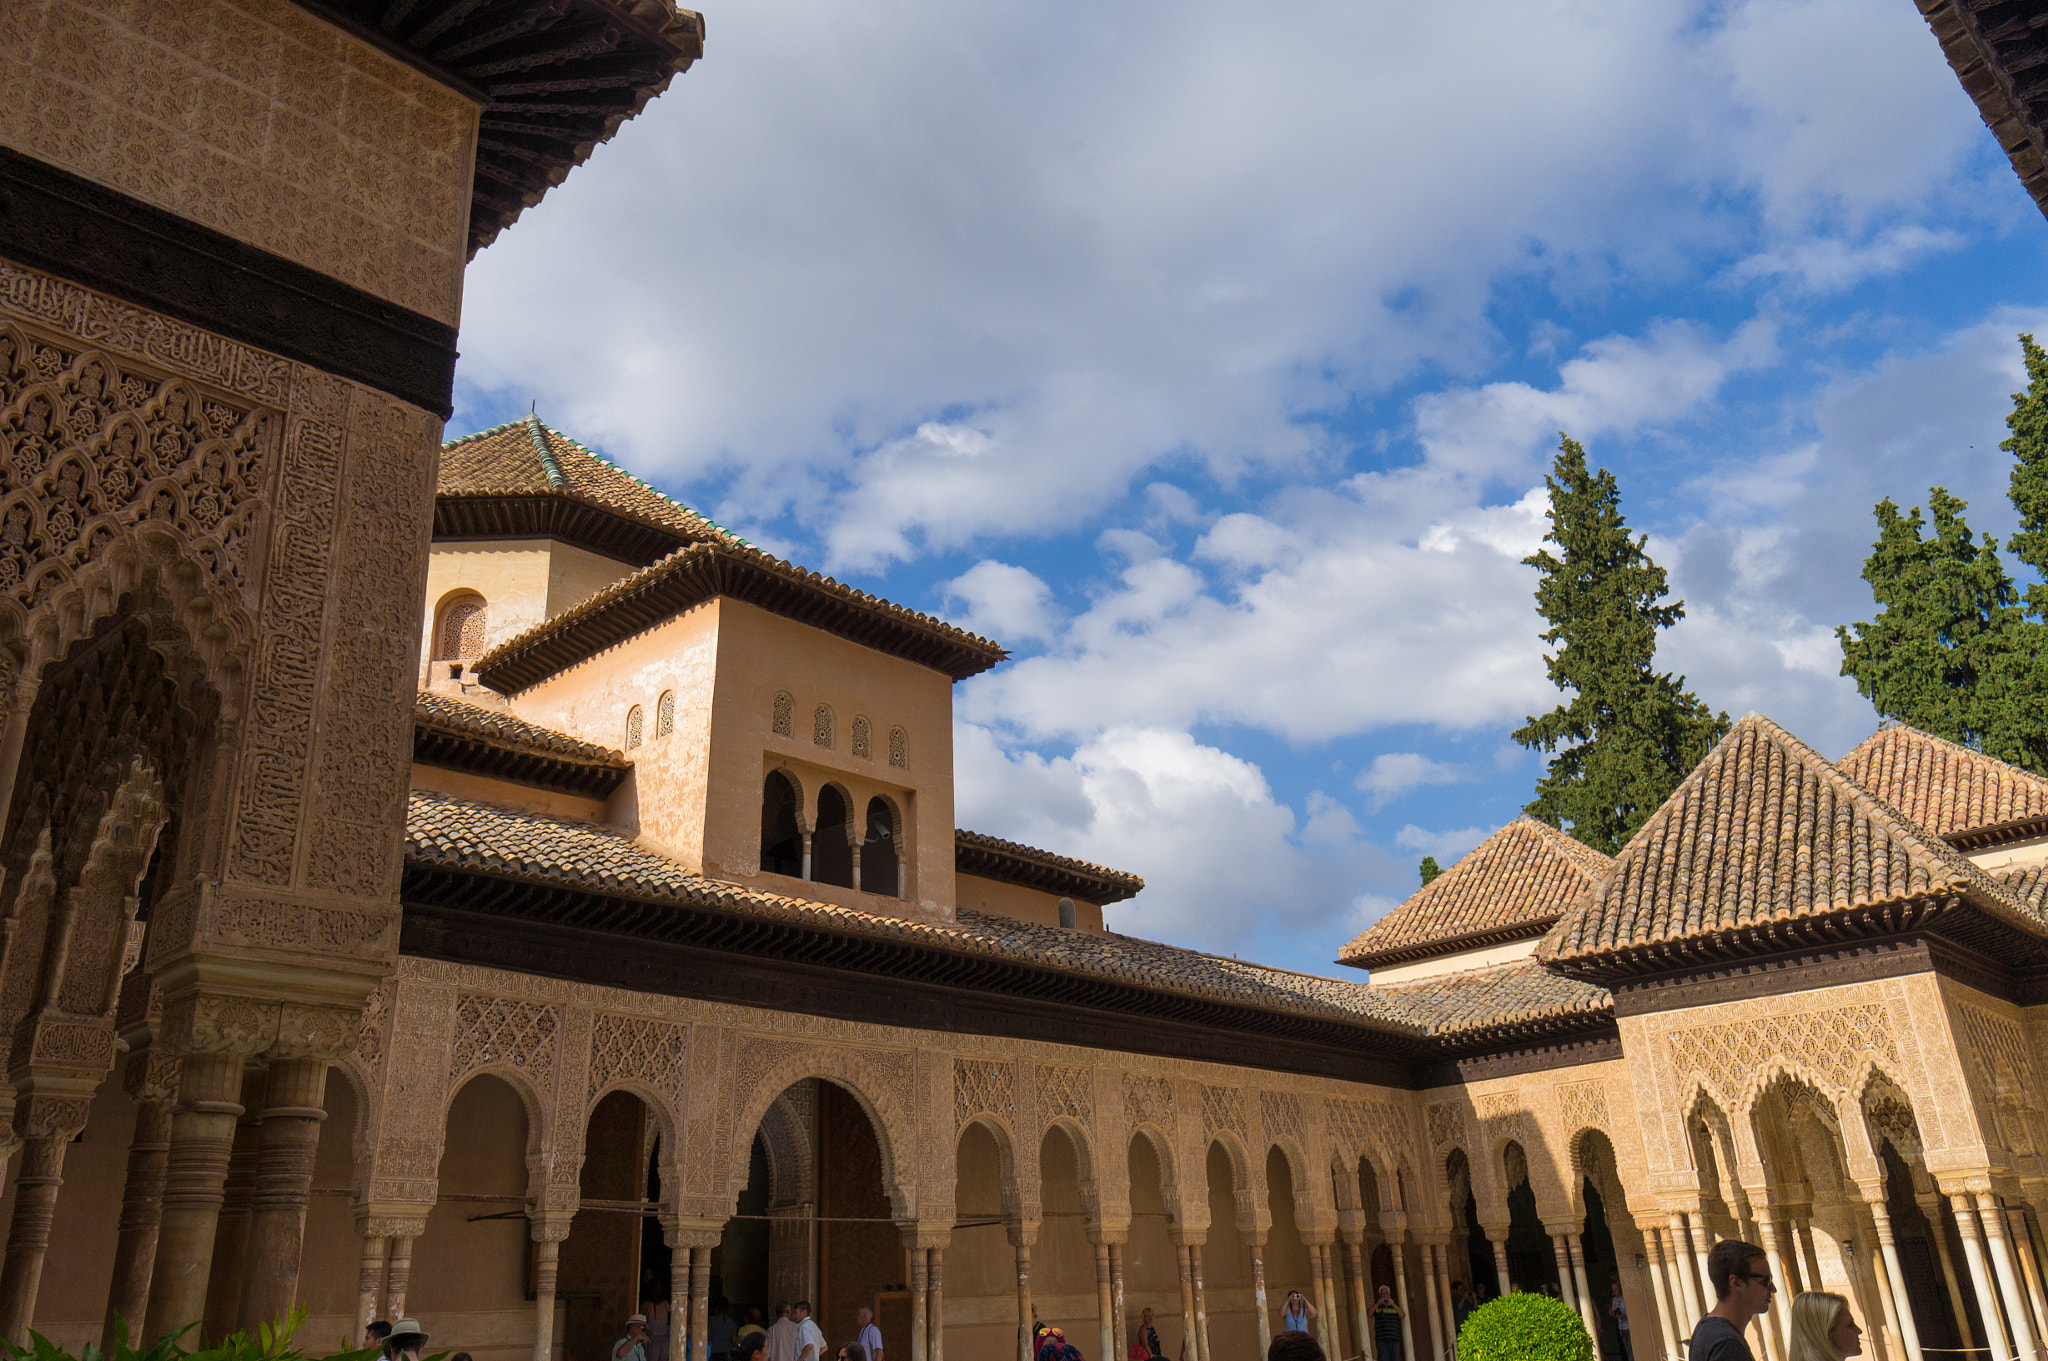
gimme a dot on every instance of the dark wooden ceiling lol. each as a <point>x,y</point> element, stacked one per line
<point>1999,49</point>
<point>555,77</point>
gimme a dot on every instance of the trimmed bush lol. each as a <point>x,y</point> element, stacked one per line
<point>272,1342</point>
<point>1524,1328</point>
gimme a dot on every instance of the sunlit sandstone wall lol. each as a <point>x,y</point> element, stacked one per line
<point>1029,904</point>
<point>696,792</point>
<point>256,119</point>
<point>522,581</point>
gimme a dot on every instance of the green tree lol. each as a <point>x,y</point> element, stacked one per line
<point>1943,652</point>
<point>1429,870</point>
<point>1628,733</point>
<point>2028,488</point>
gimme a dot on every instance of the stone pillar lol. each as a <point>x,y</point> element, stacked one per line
<point>2008,1279</point>
<point>370,1271</point>
<point>1396,1246</point>
<point>548,1229</point>
<point>1201,1347</point>
<point>1361,1316</point>
<point>1104,1314</point>
<point>399,1278</point>
<point>1688,1278</point>
<point>294,1105</point>
<point>47,1124</point>
<point>920,1284</point>
<point>152,1080</point>
<point>1564,1265</point>
<point>1931,1206</point>
<point>1980,1277</point>
<point>1022,1234</point>
<point>1500,1261</point>
<point>238,1200</point>
<point>678,1299</point>
<point>1810,1258</point>
<point>1780,1325</point>
<point>1189,1332</point>
<point>1436,1324</point>
<point>1116,1295</point>
<point>935,1311</point>
<point>1327,1331</point>
<point>1702,1244</point>
<point>1907,1329</point>
<point>1255,1243</point>
<point>1667,1320</point>
<point>2030,1272</point>
<point>202,1136</point>
<point>1576,1245</point>
<point>700,1304</point>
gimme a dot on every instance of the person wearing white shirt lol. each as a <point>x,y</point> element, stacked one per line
<point>810,1340</point>
<point>782,1337</point>
<point>869,1336</point>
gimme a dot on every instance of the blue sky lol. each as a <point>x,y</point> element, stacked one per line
<point>1211,359</point>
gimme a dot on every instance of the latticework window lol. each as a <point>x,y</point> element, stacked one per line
<point>461,635</point>
<point>665,714</point>
<point>784,722</point>
<point>861,736</point>
<point>821,726</point>
<point>633,727</point>
<point>899,747</point>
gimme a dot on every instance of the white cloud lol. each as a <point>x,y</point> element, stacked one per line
<point>926,274</point>
<point>1009,604</point>
<point>1223,859</point>
<point>1447,846</point>
<point>1393,773</point>
<point>1828,264</point>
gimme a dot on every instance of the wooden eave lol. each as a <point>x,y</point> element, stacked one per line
<point>1999,833</point>
<point>451,748</point>
<point>1999,51</point>
<point>680,948</point>
<point>554,78</point>
<point>561,515</point>
<point>1531,929</point>
<point>1528,1031</point>
<point>1954,916</point>
<point>705,572</point>
<point>992,858</point>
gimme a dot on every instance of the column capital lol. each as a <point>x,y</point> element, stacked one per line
<point>1109,1231</point>
<point>680,1231</point>
<point>548,1226</point>
<point>1190,1238</point>
<point>391,1222</point>
<point>1022,1233</point>
<point>918,1234</point>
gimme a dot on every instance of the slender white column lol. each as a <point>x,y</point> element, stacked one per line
<point>1653,1256</point>
<point>1980,1279</point>
<point>1577,1245</point>
<point>1682,1268</point>
<point>1930,1206</point>
<point>1902,1304</point>
<point>1398,1250</point>
<point>2008,1279</point>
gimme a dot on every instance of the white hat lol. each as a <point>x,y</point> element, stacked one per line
<point>406,1328</point>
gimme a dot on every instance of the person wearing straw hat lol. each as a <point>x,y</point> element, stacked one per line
<point>633,1346</point>
<point>405,1340</point>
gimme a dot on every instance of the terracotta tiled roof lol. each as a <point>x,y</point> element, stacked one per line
<point>1763,840</point>
<point>452,734</point>
<point>450,832</point>
<point>704,571</point>
<point>507,729</point>
<point>1945,788</point>
<point>1512,885</point>
<point>1013,863</point>
<point>530,458</point>
<point>1519,995</point>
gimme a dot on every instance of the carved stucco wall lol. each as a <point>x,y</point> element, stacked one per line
<point>259,120</point>
<point>712,1071</point>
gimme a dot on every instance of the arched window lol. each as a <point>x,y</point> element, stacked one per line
<point>881,863</point>
<point>862,737</point>
<point>632,727</point>
<point>665,714</point>
<point>782,842</point>
<point>1067,912</point>
<point>783,723</point>
<point>831,852</point>
<point>821,726</point>
<point>459,636</point>
<point>899,747</point>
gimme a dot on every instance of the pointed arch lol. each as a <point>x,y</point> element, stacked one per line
<point>895,1133</point>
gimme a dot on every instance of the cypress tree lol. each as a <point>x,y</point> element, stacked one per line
<point>1628,734</point>
<point>1429,869</point>
<point>2028,446</point>
<point>1942,652</point>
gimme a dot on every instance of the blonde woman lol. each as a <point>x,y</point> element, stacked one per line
<point>1823,1329</point>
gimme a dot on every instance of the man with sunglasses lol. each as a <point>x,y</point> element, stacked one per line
<point>1742,1280</point>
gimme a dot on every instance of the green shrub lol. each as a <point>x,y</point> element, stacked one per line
<point>1524,1328</point>
<point>272,1342</point>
